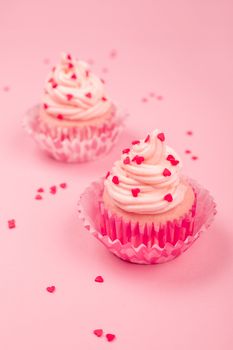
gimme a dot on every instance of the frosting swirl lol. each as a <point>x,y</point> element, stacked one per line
<point>146,180</point>
<point>73,92</point>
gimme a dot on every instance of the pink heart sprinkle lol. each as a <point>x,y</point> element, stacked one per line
<point>53,189</point>
<point>51,289</point>
<point>135,192</point>
<point>11,223</point>
<point>38,197</point>
<point>63,185</point>
<point>110,337</point>
<point>166,172</point>
<point>99,279</point>
<point>161,136</point>
<point>168,197</point>
<point>194,157</point>
<point>115,180</point>
<point>40,190</point>
<point>126,160</point>
<point>98,332</point>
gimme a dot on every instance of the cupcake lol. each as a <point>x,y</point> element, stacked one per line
<point>76,121</point>
<point>145,210</point>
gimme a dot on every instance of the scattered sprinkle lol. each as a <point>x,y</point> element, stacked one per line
<point>168,197</point>
<point>189,133</point>
<point>98,332</point>
<point>45,105</point>
<point>40,190</point>
<point>53,189</point>
<point>174,162</point>
<point>38,197</point>
<point>70,65</point>
<point>54,85</point>
<point>147,139</point>
<point>69,97</point>
<point>126,160</point>
<point>51,289</point>
<point>138,159</point>
<point>68,56</point>
<point>99,279</point>
<point>126,150</point>
<point>159,98</point>
<point>60,117</point>
<point>144,100</point>
<point>88,95</point>
<point>135,191</point>
<point>63,185</point>
<point>11,224</point>
<point>166,172</point>
<point>170,157</point>
<point>110,337</point>
<point>107,175</point>
<point>104,98</point>
<point>135,142</point>
<point>187,151</point>
<point>73,76</point>
<point>115,180</point>
<point>194,157</point>
<point>161,136</point>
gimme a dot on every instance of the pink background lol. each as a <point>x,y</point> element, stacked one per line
<point>179,49</point>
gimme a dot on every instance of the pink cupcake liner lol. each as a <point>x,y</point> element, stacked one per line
<point>79,144</point>
<point>145,244</point>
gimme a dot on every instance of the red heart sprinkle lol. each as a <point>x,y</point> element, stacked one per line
<point>11,223</point>
<point>98,332</point>
<point>69,97</point>
<point>115,180</point>
<point>189,132</point>
<point>53,189</point>
<point>147,138</point>
<point>38,197</point>
<point>174,162</point>
<point>54,85</point>
<point>63,185</point>
<point>107,175</point>
<point>166,172</point>
<point>40,190</point>
<point>51,289</point>
<point>135,142</point>
<point>110,337</point>
<point>99,279</point>
<point>88,94</point>
<point>70,65</point>
<point>74,76</point>
<point>68,56</point>
<point>104,99</point>
<point>126,150</point>
<point>161,137</point>
<point>126,160</point>
<point>170,157</point>
<point>138,159</point>
<point>135,191</point>
<point>187,151</point>
<point>60,117</point>
<point>168,197</point>
<point>194,157</point>
<point>45,105</point>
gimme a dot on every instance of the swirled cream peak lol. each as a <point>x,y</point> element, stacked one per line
<point>73,92</point>
<point>146,180</point>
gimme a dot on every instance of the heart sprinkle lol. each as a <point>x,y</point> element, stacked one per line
<point>168,197</point>
<point>99,279</point>
<point>110,337</point>
<point>126,150</point>
<point>98,332</point>
<point>107,175</point>
<point>88,95</point>
<point>126,160</point>
<point>166,172</point>
<point>135,142</point>
<point>147,139</point>
<point>69,97</point>
<point>63,185</point>
<point>51,289</point>
<point>38,197</point>
<point>53,189</point>
<point>11,224</point>
<point>115,180</point>
<point>135,192</point>
<point>138,159</point>
<point>161,137</point>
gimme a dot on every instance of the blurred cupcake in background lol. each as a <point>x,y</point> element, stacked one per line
<point>145,211</point>
<point>76,121</point>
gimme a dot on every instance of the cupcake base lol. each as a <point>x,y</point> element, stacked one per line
<point>81,144</point>
<point>145,244</point>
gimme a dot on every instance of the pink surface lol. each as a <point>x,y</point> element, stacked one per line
<point>179,50</point>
